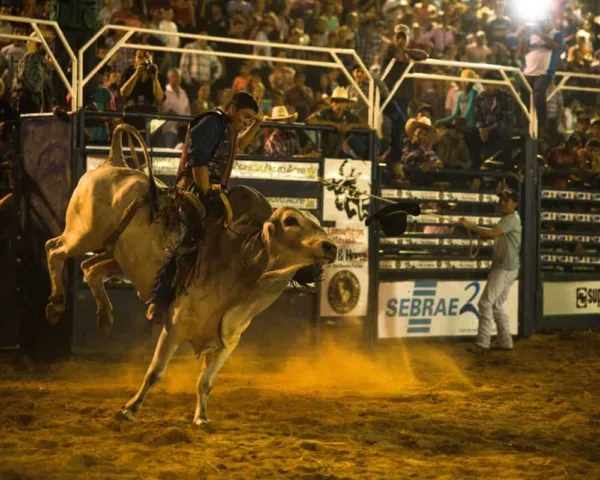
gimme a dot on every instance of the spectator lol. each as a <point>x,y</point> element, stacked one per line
<point>478,52</point>
<point>215,23</point>
<point>368,42</point>
<point>451,147</point>
<point>282,76</point>
<point>176,103</point>
<point>581,46</point>
<point>563,158</point>
<point>300,96</point>
<point>113,84</point>
<point>339,116</point>
<point>595,129</point>
<point>267,27</point>
<point>417,153</point>
<point>168,25</point>
<point>142,87</point>
<point>465,106</point>
<point>106,13</point>
<point>203,102</point>
<point>329,14</point>
<point>589,163</point>
<point>31,75</point>
<point>197,69</point>
<point>543,54</point>
<point>424,12</point>
<point>126,15</point>
<point>282,142</point>
<point>241,81</point>
<point>440,36</point>
<point>184,15</point>
<point>555,113</point>
<point>424,111</point>
<point>493,114</point>
<point>582,124</point>
<point>239,6</point>
<point>224,97</point>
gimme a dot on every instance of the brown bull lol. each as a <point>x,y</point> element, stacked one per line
<point>242,269</point>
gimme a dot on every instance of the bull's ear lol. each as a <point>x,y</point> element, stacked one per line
<point>268,231</point>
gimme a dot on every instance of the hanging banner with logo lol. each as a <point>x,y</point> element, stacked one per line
<point>571,298</point>
<point>423,308</point>
<point>340,203</point>
<point>345,285</point>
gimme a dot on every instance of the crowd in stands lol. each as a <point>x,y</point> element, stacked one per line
<point>427,125</point>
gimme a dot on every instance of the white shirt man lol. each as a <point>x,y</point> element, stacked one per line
<point>176,103</point>
<point>505,270</point>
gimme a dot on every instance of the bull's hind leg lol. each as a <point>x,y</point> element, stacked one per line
<point>97,269</point>
<point>168,343</point>
<point>56,256</point>
<point>58,250</point>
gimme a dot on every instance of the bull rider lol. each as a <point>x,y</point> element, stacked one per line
<point>213,139</point>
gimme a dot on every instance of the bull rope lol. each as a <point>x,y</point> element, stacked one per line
<point>473,247</point>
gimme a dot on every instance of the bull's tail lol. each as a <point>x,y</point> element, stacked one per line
<point>116,159</point>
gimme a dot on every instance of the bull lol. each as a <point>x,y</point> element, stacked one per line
<point>242,269</point>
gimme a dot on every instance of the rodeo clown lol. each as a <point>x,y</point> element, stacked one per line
<point>212,141</point>
<point>505,270</point>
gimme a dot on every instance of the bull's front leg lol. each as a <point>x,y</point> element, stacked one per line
<point>168,343</point>
<point>214,363</point>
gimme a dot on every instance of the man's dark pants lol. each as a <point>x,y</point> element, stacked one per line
<point>539,86</point>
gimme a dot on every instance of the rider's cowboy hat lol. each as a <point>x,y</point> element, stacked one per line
<point>392,219</point>
<point>340,94</point>
<point>281,114</point>
<point>423,122</point>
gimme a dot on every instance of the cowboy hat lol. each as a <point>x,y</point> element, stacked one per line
<point>280,114</point>
<point>392,219</point>
<point>412,124</point>
<point>340,94</point>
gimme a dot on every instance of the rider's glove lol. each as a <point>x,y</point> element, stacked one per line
<point>213,203</point>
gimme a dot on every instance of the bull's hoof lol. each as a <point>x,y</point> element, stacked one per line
<point>126,414</point>
<point>105,320</point>
<point>54,312</point>
<point>203,422</point>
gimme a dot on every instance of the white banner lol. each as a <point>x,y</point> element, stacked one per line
<point>299,171</point>
<point>345,285</point>
<point>340,204</point>
<point>423,308</point>
<point>571,298</point>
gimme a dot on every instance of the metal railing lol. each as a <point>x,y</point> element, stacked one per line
<point>334,53</point>
<point>504,71</point>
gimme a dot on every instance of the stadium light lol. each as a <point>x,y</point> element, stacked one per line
<point>530,11</point>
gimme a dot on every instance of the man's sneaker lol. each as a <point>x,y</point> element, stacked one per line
<point>477,349</point>
<point>501,344</point>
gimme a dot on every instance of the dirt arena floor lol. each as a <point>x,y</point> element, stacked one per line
<point>424,411</point>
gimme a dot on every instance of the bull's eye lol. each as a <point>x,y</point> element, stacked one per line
<point>291,222</point>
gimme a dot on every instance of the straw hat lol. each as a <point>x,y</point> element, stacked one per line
<point>423,122</point>
<point>468,73</point>
<point>281,114</point>
<point>340,94</point>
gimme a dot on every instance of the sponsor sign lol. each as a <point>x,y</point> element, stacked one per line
<point>570,195</point>
<point>345,285</point>
<point>300,203</point>
<point>440,196</point>
<point>299,171</point>
<point>434,264</point>
<point>571,298</point>
<point>341,203</point>
<point>431,308</point>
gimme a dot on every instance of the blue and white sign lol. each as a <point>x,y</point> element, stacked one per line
<point>429,308</point>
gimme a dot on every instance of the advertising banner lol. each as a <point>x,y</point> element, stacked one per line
<point>422,308</point>
<point>340,203</point>
<point>345,285</point>
<point>571,298</point>
<point>298,171</point>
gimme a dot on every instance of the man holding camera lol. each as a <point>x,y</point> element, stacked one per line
<point>143,86</point>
